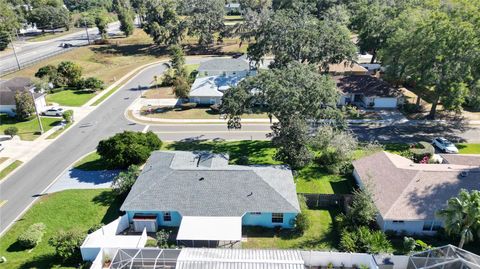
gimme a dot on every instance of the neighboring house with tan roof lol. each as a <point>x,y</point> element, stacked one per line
<point>8,90</point>
<point>346,68</point>
<point>408,195</point>
<point>367,91</point>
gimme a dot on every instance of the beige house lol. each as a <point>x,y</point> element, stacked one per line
<point>407,195</point>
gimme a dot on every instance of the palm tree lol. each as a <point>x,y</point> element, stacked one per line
<point>462,216</point>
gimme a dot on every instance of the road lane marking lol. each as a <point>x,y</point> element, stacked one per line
<point>145,129</point>
<point>2,202</point>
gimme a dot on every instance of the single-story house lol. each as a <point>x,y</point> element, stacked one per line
<point>208,199</point>
<point>346,68</point>
<point>8,89</point>
<point>408,195</point>
<point>367,91</point>
<point>227,67</point>
<point>209,90</point>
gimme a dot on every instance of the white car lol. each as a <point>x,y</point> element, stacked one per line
<point>444,145</point>
<point>54,111</point>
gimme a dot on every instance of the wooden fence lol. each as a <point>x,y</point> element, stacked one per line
<point>321,200</point>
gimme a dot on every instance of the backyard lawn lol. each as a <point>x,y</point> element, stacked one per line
<point>468,148</point>
<point>70,97</point>
<point>320,235</point>
<point>65,210</point>
<point>27,130</point>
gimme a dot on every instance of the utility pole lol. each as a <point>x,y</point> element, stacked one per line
<point>86,30</point>
<point>14,51</point>
<point>36,112</point>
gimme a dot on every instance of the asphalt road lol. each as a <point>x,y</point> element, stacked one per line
<point>32,51</point>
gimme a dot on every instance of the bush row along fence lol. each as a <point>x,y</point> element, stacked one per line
<point>24,64</point>
<point>327,201</point>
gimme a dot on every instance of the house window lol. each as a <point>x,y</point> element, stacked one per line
<point>255,213</point>
<point>167,216</point>
<point>436,226</point>
<point>399,221</point>
<point>277,217</point>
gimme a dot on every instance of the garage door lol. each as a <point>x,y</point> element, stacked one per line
<point>385,102</point>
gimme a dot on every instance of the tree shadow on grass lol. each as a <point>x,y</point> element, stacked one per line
<point>15,247</point>
<point>131,49</point>
<point>49,261</point>
<point>108,198</point>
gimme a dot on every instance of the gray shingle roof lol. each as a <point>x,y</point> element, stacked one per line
<point>225,64</point>
<point>208,186</point>
<point>8,89</point>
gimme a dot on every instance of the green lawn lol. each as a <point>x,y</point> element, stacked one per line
<point>79,209</point>
<point>105,96</point>
<point>70,97</point>
<point>310,179</point>
<point>194,113</point>
<point>468,148</point>
<point>91,162</point>
<point>28,130</point>
<point>320,235</point>
<point>5,172</point>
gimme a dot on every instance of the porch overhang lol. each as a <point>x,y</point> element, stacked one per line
<point>210,228</point>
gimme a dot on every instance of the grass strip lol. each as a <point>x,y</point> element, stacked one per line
<point>5,172</point>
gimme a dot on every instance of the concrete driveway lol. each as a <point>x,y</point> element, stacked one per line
<point>79,179</point>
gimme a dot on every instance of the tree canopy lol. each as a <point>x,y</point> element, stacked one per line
<point>303,38</point>
<point>295,95</point>
<point>163,23</point>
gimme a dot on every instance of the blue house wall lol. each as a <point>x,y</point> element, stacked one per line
<point>265,220</point>
<point>249,219</point>
<point>175,222</point>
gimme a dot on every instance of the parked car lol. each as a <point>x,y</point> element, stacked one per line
<point>65,45</point>
<point>1,147</point>
<point>54,111</point>
<point>444,145</point>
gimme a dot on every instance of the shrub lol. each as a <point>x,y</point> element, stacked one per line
<point>302,221</point>
<point>410,108</point>
<point>422,149</point>
<point>127,148</point>
<point>243,160</point>
<point>181,88</point>
<point>162,238</point>
<point>68,116</point>
<point>95,227</point>
<point>32,236</point>
<point>151,243</point>
<point>186,106</point>
<point>11,131</point>
<point>366,241</point>
<point>67,243</point>
<point>125,180</point>
<point>92,83</point>
<point>47,71</point>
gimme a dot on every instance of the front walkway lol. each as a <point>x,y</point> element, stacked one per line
<point>79,179</point>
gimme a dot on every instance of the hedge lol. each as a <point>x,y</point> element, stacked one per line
<point>32,236</point>
<point>422,149</point>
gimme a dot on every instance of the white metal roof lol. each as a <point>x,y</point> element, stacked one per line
<point>210,228</point>
<point>191,258</point>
